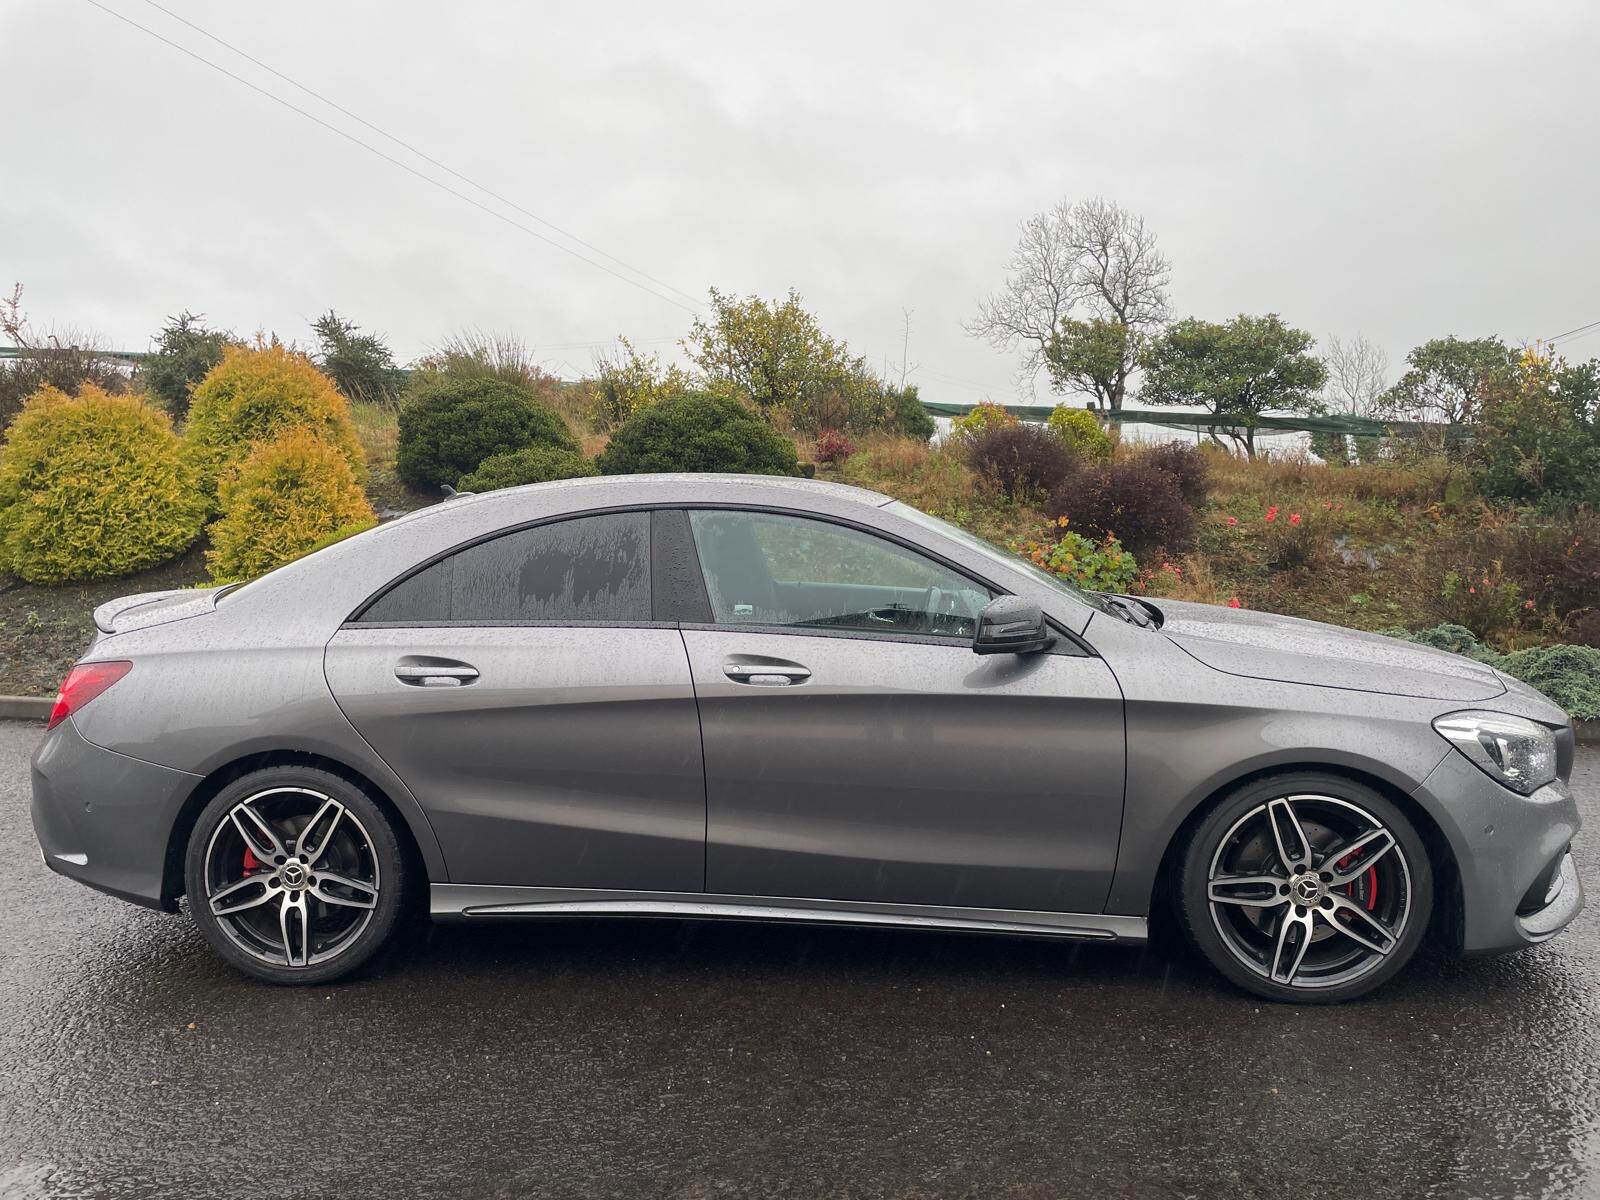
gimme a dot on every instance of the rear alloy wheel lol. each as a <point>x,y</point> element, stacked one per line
<point>1307,888</point>
<point>295,876</point>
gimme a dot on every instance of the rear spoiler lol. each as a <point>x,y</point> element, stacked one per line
<point>154,608</point>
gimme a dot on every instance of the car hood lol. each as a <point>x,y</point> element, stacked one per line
<point>1258,645</point>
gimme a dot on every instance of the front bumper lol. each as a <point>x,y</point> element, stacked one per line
<point>1504,845</point>
<point>1562,902</point>
<point>103,818</point>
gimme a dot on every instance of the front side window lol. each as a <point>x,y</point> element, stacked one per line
<point>770,569</point>
<point>585,569</point>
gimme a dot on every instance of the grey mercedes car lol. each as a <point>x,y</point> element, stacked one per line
<point>774,699</point>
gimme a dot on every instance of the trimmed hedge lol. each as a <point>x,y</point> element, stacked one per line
<point>251,397</point>
<point>532,464</point>
<point>288,498</point>
<point>449,425</point>
<point>91,487</point>
<point>697,432</point>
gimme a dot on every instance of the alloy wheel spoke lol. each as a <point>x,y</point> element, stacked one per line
<point>1370,847</point>
<point>1294,848</point>
<point>1246,890</point>
<point>293,922</point>
<point>221,908</point>
<point>366,896</point>
<point>1294,939</point>
<point>311,845</point>
<point>259,836</point>
<point>1359,925</point>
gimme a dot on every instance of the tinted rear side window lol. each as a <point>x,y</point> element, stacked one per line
<point>586,569</point>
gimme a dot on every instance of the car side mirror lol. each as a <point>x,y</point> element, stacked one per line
<point>1011,625</point>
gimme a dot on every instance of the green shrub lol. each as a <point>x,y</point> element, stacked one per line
<point>1569,675</point>
<point>251,397</point>
<point>1457,639</point>
<point>983,415</point>
<point>1135,501</point>
<point>907,417</point>
<point>531,464</point>
<point>628,381</point>
<point>361,365</point>
<point>698,432</point>
<point>1080,430</point>
<point>92,487</point>
<point>185,353</point>
<point>1097,566</point>
<point>449,425</point>
<point>288,497</point>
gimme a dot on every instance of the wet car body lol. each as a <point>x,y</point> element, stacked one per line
<point>629,766</point>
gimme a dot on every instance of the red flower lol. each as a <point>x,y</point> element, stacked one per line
<point>1294,518</point>
<point>1527,604</point>
<point>1232,521</point>
<point>1472,591</point>
<point>1234,603</point>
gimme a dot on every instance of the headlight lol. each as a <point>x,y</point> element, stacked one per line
<point>1517,752</point>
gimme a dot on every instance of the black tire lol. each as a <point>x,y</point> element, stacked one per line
<point>334,923</point>
<point>1239,924</point>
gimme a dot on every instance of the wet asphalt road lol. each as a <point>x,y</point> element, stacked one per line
<point>692,1060</point>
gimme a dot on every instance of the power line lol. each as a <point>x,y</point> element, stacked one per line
<point>1579,329</point>
<point>445,167</point>
<point>389,158</point>
<point>693,306</point>
<point>1590,331</point>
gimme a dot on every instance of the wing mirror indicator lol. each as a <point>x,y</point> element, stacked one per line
<point>1011,625</point>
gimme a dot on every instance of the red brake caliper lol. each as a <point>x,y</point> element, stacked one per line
<point>251,862</point>
<point>1372,884</point>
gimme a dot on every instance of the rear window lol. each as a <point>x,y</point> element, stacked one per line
<point>585,569</point>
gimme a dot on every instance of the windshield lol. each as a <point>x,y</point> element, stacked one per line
<point>989,549</point>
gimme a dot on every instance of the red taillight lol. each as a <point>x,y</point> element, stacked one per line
<point>82,684</point>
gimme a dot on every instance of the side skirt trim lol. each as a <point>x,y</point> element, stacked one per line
<point>463,900</point>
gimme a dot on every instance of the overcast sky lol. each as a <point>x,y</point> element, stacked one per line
<point>1399,170</point>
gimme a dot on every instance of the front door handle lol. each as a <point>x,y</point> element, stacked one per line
<point>766,674</point>
<point>435,672</point>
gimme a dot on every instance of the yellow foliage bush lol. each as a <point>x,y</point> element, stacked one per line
<point>286,499</point>
<point>985,414</point>
<point>1080,429</point>
<point>92,486</point>
<point>251,397</point>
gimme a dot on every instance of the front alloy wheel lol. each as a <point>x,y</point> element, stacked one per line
<point>294,875</point>
<point>1310,889</point>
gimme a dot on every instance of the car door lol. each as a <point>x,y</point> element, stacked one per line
<point>523,691</point>
<point>857,749</point>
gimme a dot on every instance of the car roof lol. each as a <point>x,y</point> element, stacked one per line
<point>681,487</point>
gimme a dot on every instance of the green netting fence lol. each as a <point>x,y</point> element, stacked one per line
<point>1210,422</point>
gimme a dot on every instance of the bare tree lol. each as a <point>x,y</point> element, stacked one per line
<point>64,358</point>
<point>1358,375</point>
<point>1090,257</point>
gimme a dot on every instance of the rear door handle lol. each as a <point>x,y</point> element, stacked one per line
<point>766,674</point>
<point>435,674</point>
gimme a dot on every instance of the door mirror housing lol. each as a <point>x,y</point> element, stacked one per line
<point>1011,625</point>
